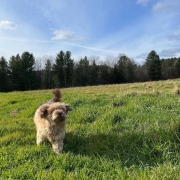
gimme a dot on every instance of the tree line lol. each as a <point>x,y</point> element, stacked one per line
<point>25,72</point>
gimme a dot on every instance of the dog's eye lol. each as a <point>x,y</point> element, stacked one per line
<point>52,110</point>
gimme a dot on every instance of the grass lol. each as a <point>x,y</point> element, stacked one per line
<point>127,131</point>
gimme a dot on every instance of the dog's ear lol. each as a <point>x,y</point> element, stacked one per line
<point>68,108</point>
<point>44,110</point>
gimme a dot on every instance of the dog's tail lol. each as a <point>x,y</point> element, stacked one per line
<point>57,95</point>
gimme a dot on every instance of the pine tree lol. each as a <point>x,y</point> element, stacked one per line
<point>121,69</point>
<point>48,79</point>
<point>27,71</point>
<point>58,69</point>
<point>153,65</point>
<point>4,80</point>
<point>93,73</point>
<point>15,72</point>
<point>22,71</point>
<point>103,74</point>
<point>81,72</point>
<point>177,67</point>
<point>68,69</point>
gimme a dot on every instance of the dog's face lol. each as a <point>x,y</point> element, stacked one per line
<point>55,112</point>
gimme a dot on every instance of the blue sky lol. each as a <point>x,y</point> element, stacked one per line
<point>104,28</point>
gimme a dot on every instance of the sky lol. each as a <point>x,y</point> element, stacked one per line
<point>102,28</point>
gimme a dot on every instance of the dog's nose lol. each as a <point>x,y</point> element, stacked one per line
<point>60,113</point>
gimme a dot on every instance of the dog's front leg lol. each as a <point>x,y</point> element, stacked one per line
<point>39,137</point>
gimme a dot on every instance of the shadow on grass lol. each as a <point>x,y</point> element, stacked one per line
<point>130,148</point>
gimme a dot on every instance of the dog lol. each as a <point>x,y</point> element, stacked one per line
<point>50,121</point>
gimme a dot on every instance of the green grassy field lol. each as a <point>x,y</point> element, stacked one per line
<point>127,131</point>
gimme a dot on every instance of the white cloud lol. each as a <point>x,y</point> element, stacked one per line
<point>63,35</point>
<point>8,25</point>
<point>163,6</point>
<point>143,2</point>
<point>167,6</point>
<point>174,37</point>
<point>142,55</point>
<point>170,52</point>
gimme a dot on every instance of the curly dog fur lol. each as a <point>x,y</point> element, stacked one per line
<point>50,121</point>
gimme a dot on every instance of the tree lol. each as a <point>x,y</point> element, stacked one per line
<point>103,74</point>
<point>141,73</point>
<point>58,69</point>
<point>22,71</point>
<point>124,69</point>
<point>153,65</point>
<point>15,72</point>
<point>82,72</point>
<point>63,69</point>
<point>177,67</point>
<point>93,73</point>
<point>68,69</point>
<point>4,80</point>
<point>48,78</point>
<point>39,72</point>
<point>27,71</point>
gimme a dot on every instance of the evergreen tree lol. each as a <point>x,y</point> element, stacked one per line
<point>122,71</point>
<point>4,80</point>
<point>15,72</point>
<point>58,69</point>
<point>27,71</point>
<point>77,74</point>
<point>131,67</point>
<point>177,67</point>
<point>153,65</point>
<point>114,74</point>
<point>68,69</point>
<point>82,72</point>
<point>63,69</point>
<point>22,71</point>
<point>48,78</point>
<point>103,74</point>
<point>93,73</point>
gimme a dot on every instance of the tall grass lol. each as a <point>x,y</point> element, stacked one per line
<point>128,131</point>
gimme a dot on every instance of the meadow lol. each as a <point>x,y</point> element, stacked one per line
<point>124,131</point>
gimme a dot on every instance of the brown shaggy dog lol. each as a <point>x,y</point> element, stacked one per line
<point>50,120</point>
